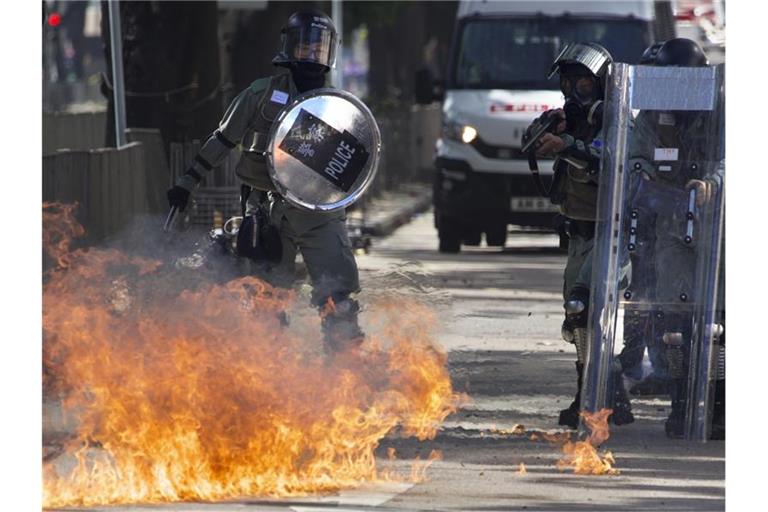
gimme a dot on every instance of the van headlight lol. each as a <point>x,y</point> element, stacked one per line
<point>459,131</point>
<point>468,134</point>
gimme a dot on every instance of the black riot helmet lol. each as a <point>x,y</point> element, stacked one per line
<point>309,37</point>
<point>681,52</point>
<point>649,55</point>
<point>583,68</point>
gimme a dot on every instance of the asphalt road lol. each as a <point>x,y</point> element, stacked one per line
<point>500,313</point>
<point>501,327</point>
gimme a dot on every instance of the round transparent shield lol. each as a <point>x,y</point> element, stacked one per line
<point>323,150</point>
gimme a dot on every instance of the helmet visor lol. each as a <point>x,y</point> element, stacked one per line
<point>310,44</point>
<point>590,57</point>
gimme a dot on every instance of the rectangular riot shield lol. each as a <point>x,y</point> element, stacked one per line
<point>659,238</point>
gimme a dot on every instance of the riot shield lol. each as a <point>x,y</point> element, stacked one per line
<point>657,252</point>
<point>323,150</point>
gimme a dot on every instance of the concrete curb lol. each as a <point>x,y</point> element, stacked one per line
<point>411,205</point>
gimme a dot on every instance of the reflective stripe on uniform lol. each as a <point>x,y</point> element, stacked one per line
<point>225,141</point>
<point>202,161</point>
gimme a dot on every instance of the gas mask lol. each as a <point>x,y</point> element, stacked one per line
<point>583,108</point>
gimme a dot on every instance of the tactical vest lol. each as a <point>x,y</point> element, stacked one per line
<point>252,168</point>
<point>687,139</point>
<point>575,190</point>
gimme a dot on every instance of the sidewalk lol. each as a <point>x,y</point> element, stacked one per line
<point>382,215</point>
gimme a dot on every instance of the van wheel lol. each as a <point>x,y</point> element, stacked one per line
<point>450,236</point>
<point>496,236</point>
<point>472,236</point>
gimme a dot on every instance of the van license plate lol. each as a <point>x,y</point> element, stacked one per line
<point>531,204</point>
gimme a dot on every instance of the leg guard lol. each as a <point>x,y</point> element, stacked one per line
<point>575,324</point>
<point>578,337</point>
<point>678,384</point>
<point>341,330</point>
<point>575,331</point>
<point>719,362</point>
<point>674,355</point>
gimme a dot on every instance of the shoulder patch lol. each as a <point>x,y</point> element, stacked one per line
<point>279,97</point>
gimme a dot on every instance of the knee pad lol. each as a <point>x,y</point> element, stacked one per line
<point>577,307</point>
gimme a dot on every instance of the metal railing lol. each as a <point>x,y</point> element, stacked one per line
<point>408,144</point>
<point>109,185</point>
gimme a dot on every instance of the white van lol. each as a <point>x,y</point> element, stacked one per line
<point>495,86</point>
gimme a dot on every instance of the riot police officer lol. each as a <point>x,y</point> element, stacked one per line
<point>576,145</point>
<point>307,53</point>
<point>639,324</point>
<point>663,196</point>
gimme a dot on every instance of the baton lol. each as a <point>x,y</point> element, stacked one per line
<point>690,216</point>
<point>171,217</point>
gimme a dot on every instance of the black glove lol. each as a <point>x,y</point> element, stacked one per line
<point>178,197</point>
<point>534,126</point>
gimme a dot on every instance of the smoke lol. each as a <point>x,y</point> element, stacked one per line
<point>408,279</point>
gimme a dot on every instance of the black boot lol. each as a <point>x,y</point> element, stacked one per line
<point>650,386</point>
<point>570,417</point>
<point>622,409</point>
<point>341,331</point>
<point>718,412</point>
<point>675,424</point>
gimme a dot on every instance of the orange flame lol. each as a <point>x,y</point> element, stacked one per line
<point>582,456</point>
<point>206,394</point>
<point>60,228</point>
<point>522,471</point>
<point>419,469</point>
<point>516,430</point>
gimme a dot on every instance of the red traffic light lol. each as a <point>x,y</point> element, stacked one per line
<point>54,19</point>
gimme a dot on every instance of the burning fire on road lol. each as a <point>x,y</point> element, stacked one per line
<point>582,456</point>
<point>207,393</point>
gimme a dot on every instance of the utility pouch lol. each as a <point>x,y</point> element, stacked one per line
<point>258,239</point>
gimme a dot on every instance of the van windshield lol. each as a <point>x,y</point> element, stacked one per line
<point>516,53</point>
